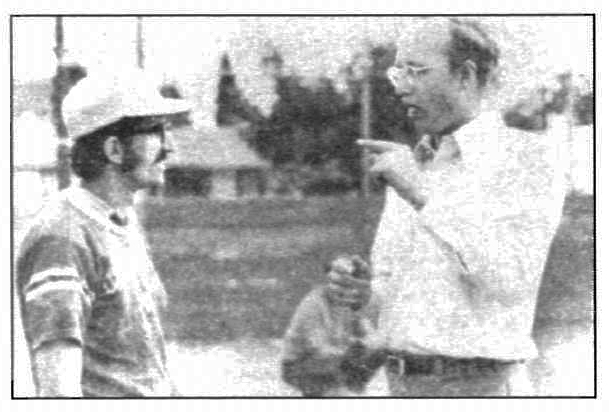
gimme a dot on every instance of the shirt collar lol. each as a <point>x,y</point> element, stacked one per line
<point>93,206</point>
<point>478,134</point>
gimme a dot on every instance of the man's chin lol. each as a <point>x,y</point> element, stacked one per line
<point>421,127</point>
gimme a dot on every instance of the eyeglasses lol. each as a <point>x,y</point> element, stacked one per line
<point>157,130</point>
<point>400,75</point>
<point>162,154</point>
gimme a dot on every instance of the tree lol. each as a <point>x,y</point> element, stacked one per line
<point>172,91</point>
<point>389,114</point>
<point>65,78</point>
<point>232,107</point>
<point>314,127</point>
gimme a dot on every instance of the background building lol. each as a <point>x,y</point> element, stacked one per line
<point>215,163</point>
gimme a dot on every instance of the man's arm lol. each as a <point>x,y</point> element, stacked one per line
<point>56,303</point>
<point>395,163</point>
<point>58,369</point>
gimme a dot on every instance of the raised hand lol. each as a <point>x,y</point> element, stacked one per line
<point>396,164</point>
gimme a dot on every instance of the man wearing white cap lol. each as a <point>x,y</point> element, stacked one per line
<point>89,294</point>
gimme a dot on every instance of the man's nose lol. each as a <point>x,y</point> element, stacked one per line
<point>404,87</point>
<point>169,142</point>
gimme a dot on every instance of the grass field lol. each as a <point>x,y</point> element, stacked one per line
<point>237,270</point>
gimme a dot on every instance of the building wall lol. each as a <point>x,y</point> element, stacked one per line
<point>251,183</point>
<point>224,184</point>
<point>188,181</point>
<point>217,184</point>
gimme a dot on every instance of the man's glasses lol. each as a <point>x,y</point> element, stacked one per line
<point>162,155</point>
<point>407,73</point>
<point>157,129</point>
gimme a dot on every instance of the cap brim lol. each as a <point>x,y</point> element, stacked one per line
<point>160,107</point>
<point>111,111</point>
<point>97,102</point>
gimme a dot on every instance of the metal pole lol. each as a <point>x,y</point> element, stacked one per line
<point>59,40</point>
<point>571,144</point>
<point>362,225</point>
<point>63,148</point>
<point>365,133</point>
<point>139,44</point>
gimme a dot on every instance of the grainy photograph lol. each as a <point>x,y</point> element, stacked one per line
<point>303,206</point>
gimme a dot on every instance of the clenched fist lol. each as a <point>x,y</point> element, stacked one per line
<point>396,164</point>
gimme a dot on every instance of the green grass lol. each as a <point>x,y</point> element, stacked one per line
<point>237,270</point>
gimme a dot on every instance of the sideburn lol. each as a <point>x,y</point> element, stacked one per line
<point>446,107</point>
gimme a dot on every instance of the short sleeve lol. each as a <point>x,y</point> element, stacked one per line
<point>305,328</point>
<point>55,298</point>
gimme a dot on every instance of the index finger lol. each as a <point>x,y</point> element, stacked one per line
<point>380,146</point>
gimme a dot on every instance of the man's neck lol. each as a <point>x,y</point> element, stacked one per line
<point>464,119</point>
<point>111,189</point>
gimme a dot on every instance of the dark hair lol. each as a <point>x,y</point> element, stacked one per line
<point>469,41</point>
<point>87,155</point>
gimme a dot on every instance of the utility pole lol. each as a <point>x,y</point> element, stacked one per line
<point>365,133</point>
<point>363,72</point>
<point>66,76</point>
<point>63,148</point>
<point>139,43</point>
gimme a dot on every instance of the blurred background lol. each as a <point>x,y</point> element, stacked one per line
<point>266,184</point>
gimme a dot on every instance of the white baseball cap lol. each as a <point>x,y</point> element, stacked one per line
<point>99,100</point>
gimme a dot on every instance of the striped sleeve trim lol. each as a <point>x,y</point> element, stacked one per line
<point>54,279</point>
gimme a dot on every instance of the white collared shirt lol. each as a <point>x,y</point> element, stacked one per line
<point>460,278</point>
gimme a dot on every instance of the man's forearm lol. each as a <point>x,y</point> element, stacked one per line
<point>410,192</point>
<point>58,369</point>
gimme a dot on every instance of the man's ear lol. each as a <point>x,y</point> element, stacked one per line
<point>113,149</point>
<point>468,74</point>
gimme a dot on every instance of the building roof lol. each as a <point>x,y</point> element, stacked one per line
<point>219,148</point>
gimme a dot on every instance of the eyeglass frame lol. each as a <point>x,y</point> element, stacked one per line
<point>151,126</point>
<point>398,75</point>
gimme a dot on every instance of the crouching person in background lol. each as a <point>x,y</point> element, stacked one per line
<point>330,346</point>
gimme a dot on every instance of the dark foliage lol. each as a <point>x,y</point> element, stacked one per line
<point>548,102</point>
<point>171,91</point>
<point>65,78</point>
<point>312,124</point>
<point>232,107</point>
